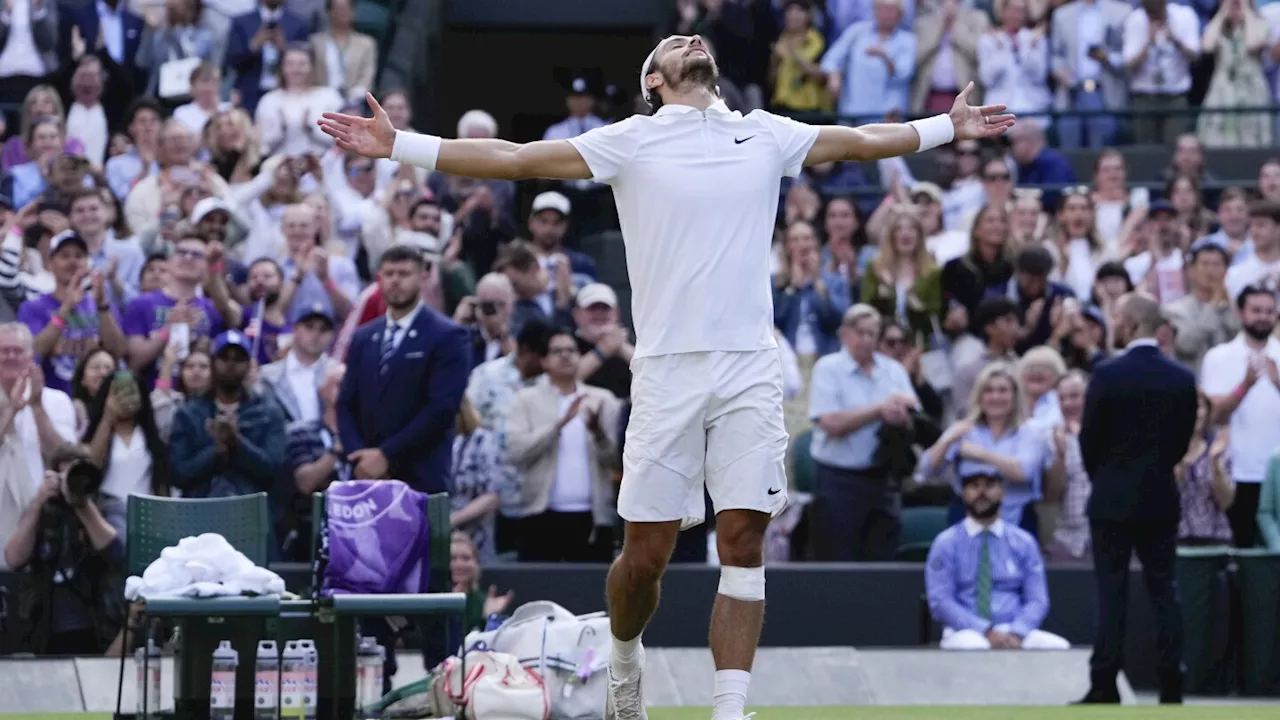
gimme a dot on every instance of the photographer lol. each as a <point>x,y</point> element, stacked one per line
<point>487,315</point>
<point>69,543</point>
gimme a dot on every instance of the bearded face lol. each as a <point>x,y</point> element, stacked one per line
<point>686,63</point>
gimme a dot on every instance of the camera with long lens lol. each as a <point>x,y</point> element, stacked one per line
<point>83,479</point>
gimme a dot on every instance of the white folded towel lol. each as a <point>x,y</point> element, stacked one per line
<point>202,566</point>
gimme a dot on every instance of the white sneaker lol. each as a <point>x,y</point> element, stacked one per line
<point>625,700</point>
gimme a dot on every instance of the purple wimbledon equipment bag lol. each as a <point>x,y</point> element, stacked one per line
<point>379,541</point>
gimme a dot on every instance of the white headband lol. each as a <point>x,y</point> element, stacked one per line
<point>645,92</point>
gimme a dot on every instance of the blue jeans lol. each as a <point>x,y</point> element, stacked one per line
<point>1091,131</point>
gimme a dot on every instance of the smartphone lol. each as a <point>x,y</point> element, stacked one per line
<point>488,307</point>
<point>184,176</point>
<point>1140,197</point>
<point>124,388</point>
<point>180,339</point>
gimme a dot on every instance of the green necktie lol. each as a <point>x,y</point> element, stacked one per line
<point>983,603</point>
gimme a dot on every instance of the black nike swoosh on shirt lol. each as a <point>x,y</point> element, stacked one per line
<point>775,492</point>
<point>736,141</point>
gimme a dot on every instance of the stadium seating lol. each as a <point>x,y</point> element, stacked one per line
<point>920,525</point>
<point>802,463</point>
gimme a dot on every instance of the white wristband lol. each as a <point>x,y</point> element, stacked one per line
<point>417,150</point>
<point>934,131</point>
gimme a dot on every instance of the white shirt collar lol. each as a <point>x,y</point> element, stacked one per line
<point>105,9</point>
<point>268,15</point>
<point>1141,342</point>
<point>972,527</point>
<point>717,107</point>
<point>407,320</point>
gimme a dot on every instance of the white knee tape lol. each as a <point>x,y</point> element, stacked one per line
<point>745,584</point>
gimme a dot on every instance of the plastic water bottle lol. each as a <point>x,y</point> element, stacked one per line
<point>310,678</point>
<point>222,691</point>
<point>148,679</point>
<point>293,674</point>
<point>265,674</point>
<point>368,673</point>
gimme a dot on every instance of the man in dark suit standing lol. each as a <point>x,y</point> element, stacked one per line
<point>105,25</point>
<point>258,40</point>
<point>406,375</point>
<point>1139,414</point>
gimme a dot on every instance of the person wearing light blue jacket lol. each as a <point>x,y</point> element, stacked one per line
<point>871,65</point>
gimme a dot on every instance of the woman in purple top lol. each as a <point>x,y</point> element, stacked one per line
<point>1204,478</point>
<point>70,323</point>
<point>155,319</point>
<point>41,101</point>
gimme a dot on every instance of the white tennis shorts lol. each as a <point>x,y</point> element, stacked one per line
<point>706,419</point>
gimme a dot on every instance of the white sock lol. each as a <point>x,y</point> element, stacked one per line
<point>624,660</point>
<point>729,699</point>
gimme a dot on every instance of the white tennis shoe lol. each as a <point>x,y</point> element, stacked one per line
<point>626,698</point>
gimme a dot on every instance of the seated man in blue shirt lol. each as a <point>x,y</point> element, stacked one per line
<point>985,578</point>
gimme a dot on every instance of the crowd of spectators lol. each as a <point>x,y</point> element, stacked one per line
<point>201,296</point>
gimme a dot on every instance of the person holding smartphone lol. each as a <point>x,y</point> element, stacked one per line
<point>487,315</point>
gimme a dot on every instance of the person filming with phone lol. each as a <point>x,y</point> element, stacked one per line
<point>69,545</point>
<point>487,316</point>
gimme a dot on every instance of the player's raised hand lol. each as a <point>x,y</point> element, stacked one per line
<point>974,122</point>
<point>371,137</point>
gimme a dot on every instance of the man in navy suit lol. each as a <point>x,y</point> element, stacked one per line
<point>106,25</point>
<point>257,41</point>
<point>406,375</point>
<point>1139,414</point>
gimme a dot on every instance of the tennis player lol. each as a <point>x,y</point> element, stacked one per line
<point>696,187</point>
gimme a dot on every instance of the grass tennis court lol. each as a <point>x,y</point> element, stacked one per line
<point>1145,712</point>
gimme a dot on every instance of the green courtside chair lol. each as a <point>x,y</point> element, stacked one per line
<point>920,525</point>
<point>155,523</point>
<point>802,463</point>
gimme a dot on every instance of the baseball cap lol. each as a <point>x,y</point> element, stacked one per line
<point>206,206</point>
<point>597,294</point>
<point>64,237</point>
<point>551,200</point>
<point>1094,313</point>
<point>1159,206</point>
<point>980,475</point>
<point>316,310</point>
<point>927,188</point>
<point>231,338</point>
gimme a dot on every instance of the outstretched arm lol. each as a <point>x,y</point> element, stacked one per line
<point>375,137</point>
<point>837,143</point>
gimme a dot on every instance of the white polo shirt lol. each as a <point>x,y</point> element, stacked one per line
<point>697,196</point>
<point>1255,434</point>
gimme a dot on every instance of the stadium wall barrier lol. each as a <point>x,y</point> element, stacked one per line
<point>872,606</point>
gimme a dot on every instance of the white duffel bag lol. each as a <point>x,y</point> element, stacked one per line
<point>569,652</point>
<point>495,686</point>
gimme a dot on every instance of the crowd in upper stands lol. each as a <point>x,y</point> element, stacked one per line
<point>187,261</point>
